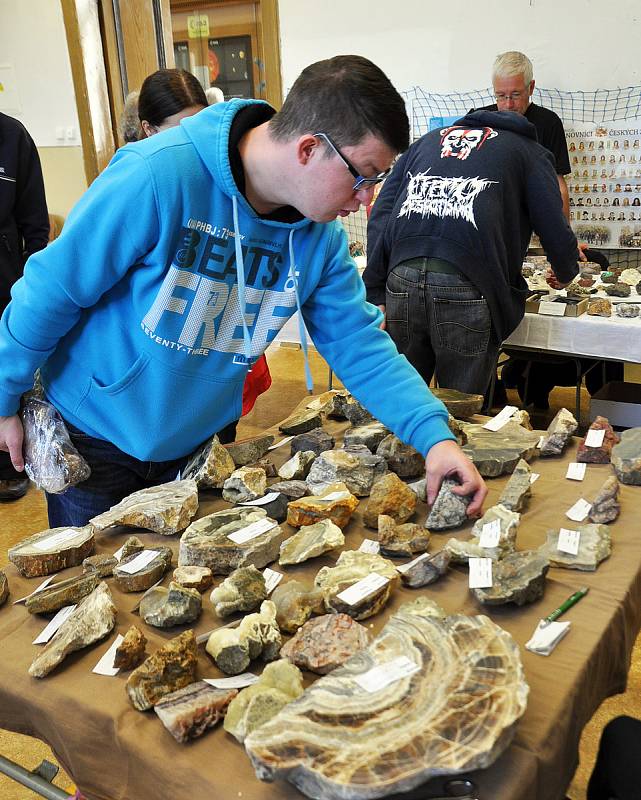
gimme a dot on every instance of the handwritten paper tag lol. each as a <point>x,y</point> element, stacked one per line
<point>403,568</point>
<point>42,586</point>
<point>234,682</point>
<point>576,471</point>
<point>250,532</point>
<point>480,573</point>
<point>497,422</point>
<point>138,563</point>
<point>491,534</point>
<point>552,309</point>
<point>579,510</point>
<point>272,579</point>
<point>281,443</point>
<point>382,675</point>
<point>262,501</point>
<point>569,541</point>
<point>106,664</point>
<point>362,589</point>
<point>370,546</point>
<point>46,633</point>
<point>534,477</point>
<point>55,540</point>
<point>595,437</point>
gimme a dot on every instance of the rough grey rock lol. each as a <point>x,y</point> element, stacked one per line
<point>311,541</point>
<point>626,458</point>
<point>401,458</point>
<point>594,546</point>
<point>276,508</point>
<point>425,569</point>
<point>298,466</point>
<point>498,452</point>
<point>165,607</point>
<point>558,433</point>
<point>247,451</point>
<point>317,440</point>
<point>627,310</point>
<point>606,506</point>
<point>518,489</point>
<point>370,435</point>
<point>355,469</point>
<point>211,465</point>
<point>519,578</point>
<point>245,483</point>
<point>356,412</point>
<point>618,290</point>
<point>243,590</point>
<point>301,422</point>
<point>449,509</point>
<point>294,490</point>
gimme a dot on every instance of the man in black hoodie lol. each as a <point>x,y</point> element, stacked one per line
<point>446,241</point>
<point>24,229</point>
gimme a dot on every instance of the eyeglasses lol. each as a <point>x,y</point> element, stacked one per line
<point>514,97</point>
<point>360,181</point>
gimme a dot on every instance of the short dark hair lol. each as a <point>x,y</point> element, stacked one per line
<point>167,92</point>
<point>346,97</point>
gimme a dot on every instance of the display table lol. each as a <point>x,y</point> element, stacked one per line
<point>116,753</point>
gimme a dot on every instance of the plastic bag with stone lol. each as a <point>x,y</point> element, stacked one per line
<point>51,460</point>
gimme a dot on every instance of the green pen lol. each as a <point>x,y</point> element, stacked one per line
<point>572,600</point>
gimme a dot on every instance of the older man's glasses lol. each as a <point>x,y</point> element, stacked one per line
<point>503,98</point>
<point>360,182</point>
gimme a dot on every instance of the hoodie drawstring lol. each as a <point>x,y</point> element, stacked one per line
<point>301,325</point>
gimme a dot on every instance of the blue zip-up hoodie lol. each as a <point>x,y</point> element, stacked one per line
<point>136,310</point>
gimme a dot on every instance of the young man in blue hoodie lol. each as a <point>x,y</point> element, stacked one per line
<point>180,265</point>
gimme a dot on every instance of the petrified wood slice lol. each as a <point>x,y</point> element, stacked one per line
<point>102,564</point>
<point>52,550</point>
<point>498,452</point>
<point>64,593</point>
<point>210,466</point>
<point>188,712</point>
<point>165,509</point>
<point>459,404</point>
<point>151,573</point>
<point>168,669</point>
<point>455,714</point>
<point>351,567</point>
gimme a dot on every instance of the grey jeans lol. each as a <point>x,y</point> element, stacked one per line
<point>442,324</point>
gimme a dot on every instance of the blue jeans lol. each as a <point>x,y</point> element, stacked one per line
<point>442,324</point>
<point>114,475</point>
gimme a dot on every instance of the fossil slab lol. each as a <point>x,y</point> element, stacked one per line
<point>298,466</point>
<point>250,450</point>
<point>244,484</point>
<point>391,496</point>
<point>295,603</point>
<point>518,489</point>
<point>558,434</point>
<point>459,404</point>
<point>449,509</point>
<point>168,669</point>
<point>401,541</point>
<point>335,503</point>
<point>324,643</point>
<point>293,490</point>
<point>456,713</point>
<point>498,452</point>
<point>595,545</point>
<point>519,578</point>
<point>243,590</point>
<point>131,651</point>
<point>626,458</point>
<point>257,635</point>
<point>52,550</point>
<point>602,453</point>
<point>4,588</point>
<point>165,607</point>
<point>351,567</point>
<point>199,578</point>
<point>164,509</point>
<point>301,422</point>
<point>425,569</point>
<point>606,506</point>
<point>370,435</point>
<point>211,465</point>
<point>64,593</point>
<point>93,618</point>
<point>102,564</point>
<point>311,541</point>
<point>401,458</point>
<point>143,578</point>
<point>316,440</point>
<point>207,541</point>
<point>188,712</point>
<point>356,469</point>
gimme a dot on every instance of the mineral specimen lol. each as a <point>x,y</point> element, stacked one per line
<point>326,401</point>
<point>316,440</point>
<point>518,489</point>
<point>424,569</point>
<point>606,507</point>
<point>243,590</point>
<point>628,310</point>
<point>52,550</point>
<point>298,466</point>
<point>356,470</point>
<point>301,422</point>
<point>257,635</point>
<point>265,464</point>
<point>245,483</point>
<point>608,277</point>
<point>131,651</point>
<point>295,603</point>
<point>498,452</point>
<point>461,550</point>
<point>419,488</point>
<point>279,684</point>
<point>355,412</point>
<point>145,577</point>
<point>618,290</point>
<point>401,458</point>
<point>630,276</point>
<point>211,465</point>
<point>294,490</point>
<point>370,435</point>
<point>335,503</point>
<point>4,588</point>
<point>166,509</point>
<point>93,618</point>
<point>199,578</point>
<point>389,495</point>
<point>325,643</point>
<point>601,453</point>
<point>351,567</point>
<point>131,546</point>
<point>456,713</point>
<point>247,451</point>
<point>594,546</point>
<point>64,593</point>
<point>449,509</point>
<point>399,541</point>
<point>459,404</point>
<point>522,418</point>
<point>626,459</point>
<point>600,307</point>
<point>169,668</point>
<point>102,564</point>
<point>508,522</point>
<point>519,578</point>
<point>190,711</point>
<point>558,433</point>
<point>165,607</point>
<point>311,541</point>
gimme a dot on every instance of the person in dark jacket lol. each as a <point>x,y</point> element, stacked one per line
<point>446,240</point>
<point>24,229</point>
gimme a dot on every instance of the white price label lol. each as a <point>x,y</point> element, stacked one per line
<point>106,664</point>
<point>143,559</point>
<point>281,443</point>
<point>579,510</point>
<point>262,501</point>
<point>491,534</point>
<point>576,471</point>
<point>234,682</point>
<point>252,531</point>
<point>595,437</point>
<point>569,541</point>
<point>539,444</point>
<point>480,573</point>
<point>42,586</point>
<point>118,553</point>
<point>362,589</point>
<point>272,579</point>
<point>534,477</point>
<point>403,568</point>
<point>546,637</point>
<point>497,422</point>
<point>56,539</point>
<point>61,617</point>
<point>551,309</point>
<point>381,676</point>
<point>370,546</point>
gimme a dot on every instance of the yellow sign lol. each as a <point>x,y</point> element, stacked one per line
<point>198,26</point>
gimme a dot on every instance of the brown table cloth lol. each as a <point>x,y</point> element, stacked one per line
<point>116,753</point>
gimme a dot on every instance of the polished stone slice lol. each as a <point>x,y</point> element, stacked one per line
<point>456,714</point>
<point>497,453</point>
<point>51,550</point>
<point>93,618</point>
<point>244,484</point>
<point>190,711</point>
<point>243,590</point>
<point>257,636</point>
<point>449,509</point>
<point>351,567</point>
<point>4,588</point>
<point>165,607</point>
<point>518,489</point>
<point>459,404</point>
<point>519,578</point>
<point>146,577</point>
<point>626,459</point>
<point>64,593</point>
<point>206,542</point>
<point>293,490</point>
<point>102,564</point>
<point>250,450</point>
<point>131,651</point>
<point>558,433</point>
<point>401,541</point>
<point>168,669</point>
<point>601,454</point>
<point>618,290</point>
<point>211,465</point>
<point>317,440</point>
<point>357,470</point>
<point>279,684</point>
<point>600,307</point>
<point>295,603</point>
<point>199,578</point>
<point>131,546</point>
<point>426,570</point>
<point>298,466</point>
<point>325,643</point>
<point>338,508</point>
<point>311,541</point>
<point>391,496</point>
<point>370,435</point>
<point>401,458</point>
<point>301,422</point>
<point>606,506</point>
<point>595,545</point>
<point>509,523</point>
<point>627,310</point>
<point>165,509</point>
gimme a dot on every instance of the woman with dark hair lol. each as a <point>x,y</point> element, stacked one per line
<point>166,97</point>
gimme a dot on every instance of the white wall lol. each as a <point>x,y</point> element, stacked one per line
<point>440,46</point>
